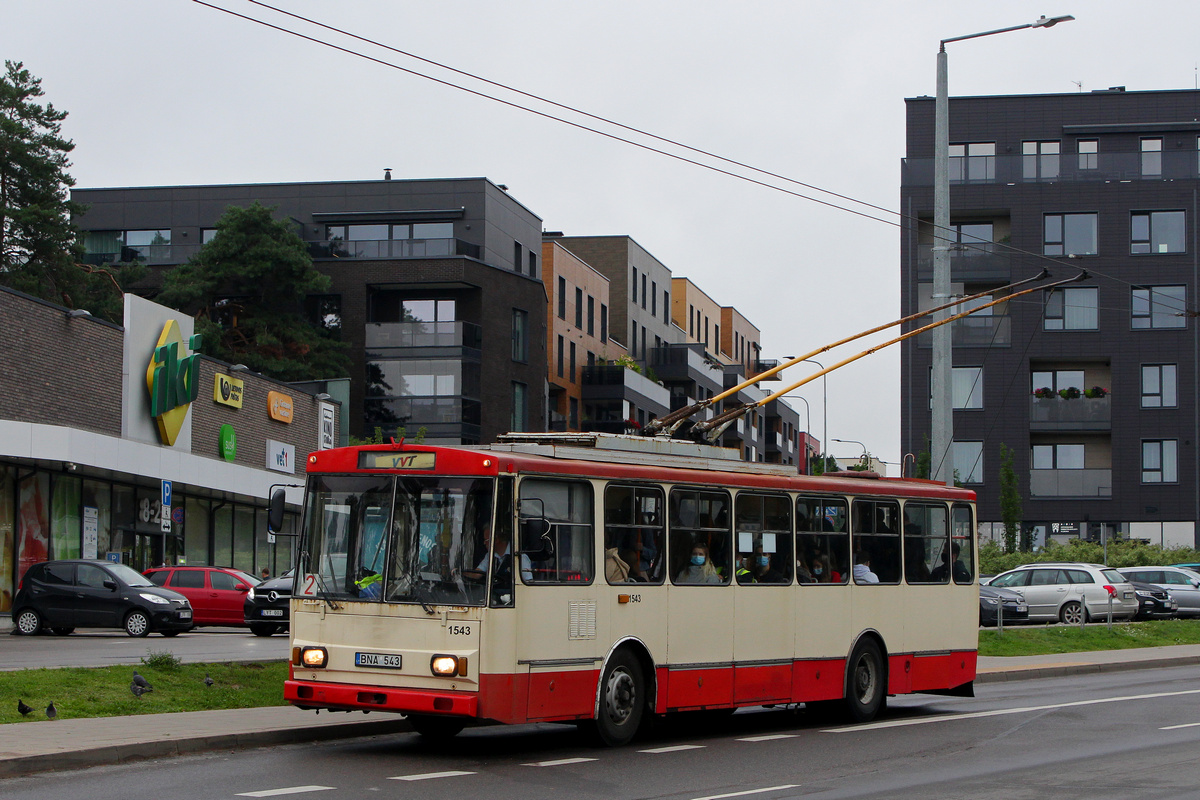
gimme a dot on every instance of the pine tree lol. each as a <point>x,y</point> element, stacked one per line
<point>248,288</point>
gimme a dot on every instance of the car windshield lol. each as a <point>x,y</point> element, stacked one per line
<point>128,575</point>
<point>1112,576</point>
<point>409,540</point>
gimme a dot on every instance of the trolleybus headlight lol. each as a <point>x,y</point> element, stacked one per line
<point>314,657</point>
<point>446,666</point>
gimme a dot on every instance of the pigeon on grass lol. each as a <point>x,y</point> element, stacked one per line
<point>208,681</point>
<point>141,682</point>
<point>51,711</point>
<point>23,709</point>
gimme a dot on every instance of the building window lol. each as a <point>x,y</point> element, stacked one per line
<point>520,335</point>
<point>1057,456</point>
<point>644,342</point>
<point>517,257</point>
<point>603,323</point>
<point>562,297</point>
<point>532,264</point>
<point>1157,232</point>
<point>975,161</point>
<point>1057,380</point>
<point>573,420</point>
<point>591,316</point>
<point>1152,158</point>
<point>633,288</point>
<point>579,309</point>
<point>207,235</point>
<point>572,364</point>
<point>1089,153</point>
<point>633,339</point>
<point>392,306</point>
<point>1071,309</point>
<point>968,461</point>
<point>1040,160</point>
<point>1160,461</point>
<point>666,307</point>
<point>1069,235</point>
<point>1159,307</point>
<point>324,312</point>
<point>966,385</point>
<point>654,299</point>
<point>1159,386</point>
<point>561,356</point>
<point>973,238</point>
<point>643,291</point>
<point>520,407</point>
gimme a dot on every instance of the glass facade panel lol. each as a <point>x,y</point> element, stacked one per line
<point>7,538</point>
<point>222,522</point>
<point>243,538</point>
<point>196,530</point>
<point>65,523</point>
<point>33,521</point>
<point>968,461</point>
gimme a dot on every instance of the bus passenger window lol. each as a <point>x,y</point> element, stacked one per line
<point>962,544</point>
<point>700,548</point>
<point>633,534</point>
<point>561,550</point>
<point>822,540</point>
<point>764,539</point>
<point>926,543</point>
<point>877,541</point>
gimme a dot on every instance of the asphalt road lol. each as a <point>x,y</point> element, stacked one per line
<point>1132,734</point>
<point>98,648</point>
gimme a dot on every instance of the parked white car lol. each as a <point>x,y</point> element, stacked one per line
<point>1068,591</point>
<point>1182,583</point>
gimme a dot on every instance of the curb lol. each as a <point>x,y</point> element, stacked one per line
<point>142,751</point>
<point>1031,673</point>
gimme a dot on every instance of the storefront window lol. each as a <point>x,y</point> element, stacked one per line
<point>124,522</point>
<point>195,526</point>
<point>33,526</point>
<point>223,536</point>
<point>97,518</point>
<point>7,540</point>
<point>243,538</point>
<point>65,524</point>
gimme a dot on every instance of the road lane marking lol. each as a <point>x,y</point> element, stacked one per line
<point>768,737</point>
<point>673,748</point>
<point>426,776</point>
<point>289,790</point>
<point>560,762</point>
<point>748,791</point>
<point>1177,727</point>
<point>900,723</point>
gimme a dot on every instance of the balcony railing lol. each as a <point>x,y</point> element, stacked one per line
<point>1077,414</point>
<point>613,382</point>
<point>392,248</point>
<point>460,335</point>
<point>1070,483</point>
<point>977,330</point>
<point>413,412</point>
<point>146,253</point>
<point>970,263</point>
<point>1015,168</point>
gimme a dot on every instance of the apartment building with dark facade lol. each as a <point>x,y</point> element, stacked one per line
<point>1093,386</point>
<point>437,288</point>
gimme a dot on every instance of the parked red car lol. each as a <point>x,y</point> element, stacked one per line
<point>217,594</point>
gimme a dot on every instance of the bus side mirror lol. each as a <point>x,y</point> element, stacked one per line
<point>275,511</point>
<point>535,539</point>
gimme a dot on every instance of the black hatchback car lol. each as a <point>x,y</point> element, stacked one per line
<point>1154,602</point>
<point>266,605</point>
<point>65,595</point>
<point>992,599</point>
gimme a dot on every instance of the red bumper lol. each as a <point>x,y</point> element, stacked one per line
<point>314,694</point>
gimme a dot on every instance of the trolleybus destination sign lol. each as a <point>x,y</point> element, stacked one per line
<point>396,460</point>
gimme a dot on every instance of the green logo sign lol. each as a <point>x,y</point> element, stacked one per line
<point>173,381</point>
<point>227,441</point>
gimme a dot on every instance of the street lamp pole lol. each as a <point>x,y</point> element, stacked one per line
<point>824,413</point>
<point>807,421</point>
<point>942,423</point>
<point>866,456</point>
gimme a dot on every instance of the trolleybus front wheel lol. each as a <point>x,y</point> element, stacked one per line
<point>622,700</point>
<point>436,728</point>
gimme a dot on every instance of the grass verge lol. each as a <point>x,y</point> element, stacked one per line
<point>1046,639</point>
<point>104,691</point>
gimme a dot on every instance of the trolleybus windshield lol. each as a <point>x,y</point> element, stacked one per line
<point>378,538</point>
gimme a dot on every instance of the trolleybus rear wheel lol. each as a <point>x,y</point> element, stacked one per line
<point>436,728</point>
<point>866,681</point>
<point>622,700</point>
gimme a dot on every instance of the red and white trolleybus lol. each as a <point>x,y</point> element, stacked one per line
<point>604,579</point>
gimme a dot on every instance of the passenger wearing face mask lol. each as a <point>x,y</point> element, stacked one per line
<point>820,569</point>
<point>759,569</point>
<point>699,569</point>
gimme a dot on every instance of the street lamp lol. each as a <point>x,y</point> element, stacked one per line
<point>866,456</point>
<point>824,408</point>
<point>942,423</point>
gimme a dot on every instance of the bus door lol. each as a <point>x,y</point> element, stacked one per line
<point>822,601</point>
<point>560,632</point>
<point>700,558</point>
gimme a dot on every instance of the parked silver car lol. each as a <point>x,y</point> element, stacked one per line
<point>1070,590</point>
<point>1182,583</point>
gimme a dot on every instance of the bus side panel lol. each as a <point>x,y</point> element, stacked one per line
<point>698,688</point>
<point>900,673</point>
<point>762,684</point>
<point>818,680</point>
<point>562,695</point>
<point>504,698</point>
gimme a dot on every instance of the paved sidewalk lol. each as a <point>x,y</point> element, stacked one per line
<point>43,745</point>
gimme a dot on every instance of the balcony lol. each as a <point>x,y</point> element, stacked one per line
<point>414,412</point>
<point>1014,169</point>
<point>686,363</point>
<point>977,330</point>
<point>977,262</point>
<point>1073,483</point>
<point>1078,414</point>
<point>762,365</point>
<point>463,338</point>
<point>392,248</point>
<point>153,254</point>
<point>608,382</point>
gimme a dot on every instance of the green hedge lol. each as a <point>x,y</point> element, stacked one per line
<point>1121,553</point>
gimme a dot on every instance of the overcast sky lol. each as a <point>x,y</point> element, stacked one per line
<point>164,92</point>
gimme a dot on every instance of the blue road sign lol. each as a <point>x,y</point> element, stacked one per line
<point>166,493</point>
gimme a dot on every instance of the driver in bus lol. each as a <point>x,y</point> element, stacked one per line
<point>501,559</point>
